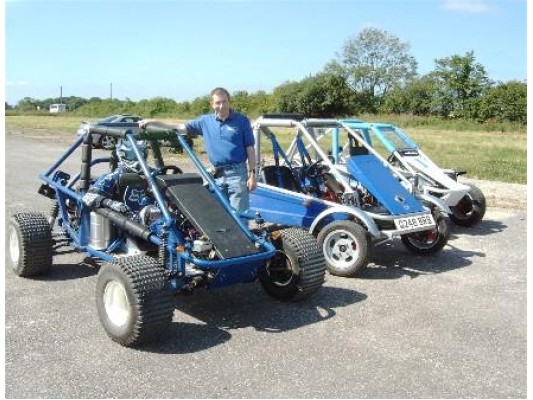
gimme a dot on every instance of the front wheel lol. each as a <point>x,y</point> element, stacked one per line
<point>430,241</point>
<point>470,209</point>
<point>345,247</point>
<point>298,268</point>
<point>133,300</point>
<point>30,244</point>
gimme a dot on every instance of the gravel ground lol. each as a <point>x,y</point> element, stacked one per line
<point>451,325</point>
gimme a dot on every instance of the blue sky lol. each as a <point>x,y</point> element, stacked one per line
<point>182,49</point>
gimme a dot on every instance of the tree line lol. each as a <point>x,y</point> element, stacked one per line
<point>373,73</point>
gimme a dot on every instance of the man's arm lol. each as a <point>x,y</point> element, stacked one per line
<point>251,182</point>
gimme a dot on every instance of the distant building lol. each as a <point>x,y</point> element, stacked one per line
<point>58,108</point>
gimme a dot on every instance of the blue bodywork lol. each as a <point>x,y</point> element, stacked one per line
<point>284,207</point>
<point>377,179</point>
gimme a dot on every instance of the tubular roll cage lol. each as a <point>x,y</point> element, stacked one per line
<point>59,185</point>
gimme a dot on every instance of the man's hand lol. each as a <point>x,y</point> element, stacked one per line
<point>251,183</point>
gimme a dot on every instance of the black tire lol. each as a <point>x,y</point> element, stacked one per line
<point>30,244</point>
<point>345,247</point>
<point>133,300</point>
<point>470,209</point>
<point>430,241</point>
<point>107,142</point>
<point>298,268</point>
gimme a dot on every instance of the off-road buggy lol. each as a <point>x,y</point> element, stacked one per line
<point>188,237</point>
<point>466,201</point>
<point>346,206</point>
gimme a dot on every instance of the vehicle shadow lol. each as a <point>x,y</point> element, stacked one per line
<point>245,306</point>
<point>67,271</point>
<point>393,261</point>
<point>483,228</point>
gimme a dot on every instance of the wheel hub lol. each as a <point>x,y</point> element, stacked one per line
<point>116,303</point>
<point>340,249</point>
<point>279,268</point>
<point>14,251</point>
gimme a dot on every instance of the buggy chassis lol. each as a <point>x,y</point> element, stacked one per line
<point>331,202</point>
<point>190,237</point>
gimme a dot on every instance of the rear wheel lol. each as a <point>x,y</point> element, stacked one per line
<point>30,244</point>
<point>298,268</point>
<point>133,300</point>
<point>470,209</point>
<point>430,241</point>
<point>345,247</point>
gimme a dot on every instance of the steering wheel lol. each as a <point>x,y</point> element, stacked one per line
<point>314,170</point>
<point>172,168</point>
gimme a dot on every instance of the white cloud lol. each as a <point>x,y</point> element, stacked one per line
<point>17,83</point>
<point>467,6</point>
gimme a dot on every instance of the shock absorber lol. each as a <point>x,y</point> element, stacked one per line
<point>54,211</point>
<point>163,247</point>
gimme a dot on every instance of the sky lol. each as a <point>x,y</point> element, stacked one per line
<point>140,49</point>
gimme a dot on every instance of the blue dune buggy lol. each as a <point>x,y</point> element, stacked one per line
<point>187,237</point>
<point>466,201</point>
<point>344,206</point>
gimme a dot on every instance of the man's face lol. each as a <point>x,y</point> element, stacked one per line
<point>220,104</point>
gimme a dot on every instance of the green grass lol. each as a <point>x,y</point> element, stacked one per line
<point>51,123</point>
<point>485,155</point>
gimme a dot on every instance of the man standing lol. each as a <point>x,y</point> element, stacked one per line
<point>229,143</point>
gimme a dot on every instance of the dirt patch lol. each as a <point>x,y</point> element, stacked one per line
<point>502,194</point>
<point>42,134</point>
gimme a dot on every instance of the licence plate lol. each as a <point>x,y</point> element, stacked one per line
<point>409,223</point>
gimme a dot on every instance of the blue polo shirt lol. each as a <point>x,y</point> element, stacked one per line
<point>225,141</point>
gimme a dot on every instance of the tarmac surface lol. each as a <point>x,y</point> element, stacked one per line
<point>451,325</point>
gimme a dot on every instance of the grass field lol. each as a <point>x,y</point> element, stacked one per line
<point>495,156</point>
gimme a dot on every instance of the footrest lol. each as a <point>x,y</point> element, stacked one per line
<point>206,214</point>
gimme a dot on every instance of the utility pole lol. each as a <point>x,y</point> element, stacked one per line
<point>111,91</point>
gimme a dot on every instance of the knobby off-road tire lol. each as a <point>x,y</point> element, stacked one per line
<point>298,268</point>
<point>470,209</point>
<point>30,244</point>
<point>133,300</point>
<point>430,241</point>
<point>345,247</point>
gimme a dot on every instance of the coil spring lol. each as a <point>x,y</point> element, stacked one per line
<point>163,248</point>
<point>54,211</point>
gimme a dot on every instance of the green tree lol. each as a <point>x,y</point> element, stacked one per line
<point>417,97</point>
<point>240,100</point>
<point>28,104</point>
<point>200,105</point>
<point>286,96</point>
<point>505,102</point>
<point>373,62</point>
<point>323,95</point>
<point>460,81</point>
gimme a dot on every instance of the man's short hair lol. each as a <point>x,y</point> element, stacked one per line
<point>219,91</point>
